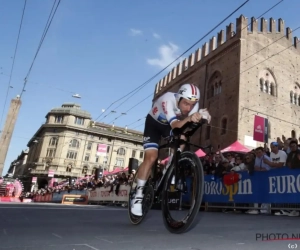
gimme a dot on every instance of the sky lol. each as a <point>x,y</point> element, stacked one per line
<point>102,50</point>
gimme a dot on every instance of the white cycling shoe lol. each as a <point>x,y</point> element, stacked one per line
<point>136,206</point>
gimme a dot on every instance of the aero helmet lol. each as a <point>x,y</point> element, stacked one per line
<point>188,91</point>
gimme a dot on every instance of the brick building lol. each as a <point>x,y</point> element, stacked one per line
<point>244,71</point>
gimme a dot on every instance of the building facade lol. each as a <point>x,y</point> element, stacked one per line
<point>246,70</point>
<point>67,145</point>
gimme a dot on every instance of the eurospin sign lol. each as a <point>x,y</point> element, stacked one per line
<point>213,188</point>
<point>281,185</point>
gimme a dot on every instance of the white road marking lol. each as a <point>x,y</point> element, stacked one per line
<point>94,248</point>
<point>52,245</point>
<point>103,240</point>
<point>56,235</point>
<point>125,241</point>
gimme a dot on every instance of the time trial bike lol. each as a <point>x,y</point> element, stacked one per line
<point>184,177</point>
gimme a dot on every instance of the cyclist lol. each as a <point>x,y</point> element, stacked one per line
<point>171,110</point>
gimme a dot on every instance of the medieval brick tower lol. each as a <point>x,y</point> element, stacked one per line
<point>247,70</point>
<point>8,129</point>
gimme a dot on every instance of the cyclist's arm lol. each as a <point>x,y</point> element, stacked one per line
<point>179,124</point>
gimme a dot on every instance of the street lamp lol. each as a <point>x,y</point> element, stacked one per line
<point>76,96</point>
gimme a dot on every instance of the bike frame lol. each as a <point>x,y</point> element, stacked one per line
<point>174,142</point>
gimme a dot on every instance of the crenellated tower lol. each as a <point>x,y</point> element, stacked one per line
<point>243,71</point>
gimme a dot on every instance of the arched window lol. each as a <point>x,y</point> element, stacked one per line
<point>291,97</point>
<point>223,126</point>
<point>267,83</point>
<point>295,99</point>
<point>74,143</point>
<point>265,90</point>
<point>261,81</point>
<point>215,84</point>
<point>272,89</point>
<point>295,95</point>
<point>53,142</point>
<point>121,151</point>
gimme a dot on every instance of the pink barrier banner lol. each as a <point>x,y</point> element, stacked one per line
<point>9,199</point>
<point>43,198</point>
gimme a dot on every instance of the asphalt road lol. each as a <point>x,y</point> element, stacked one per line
<point>65,227</point>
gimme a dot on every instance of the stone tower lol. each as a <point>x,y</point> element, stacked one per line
<point>246,70</point>
<point>8,129</point>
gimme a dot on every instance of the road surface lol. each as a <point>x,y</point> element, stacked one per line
<point>67,227</point>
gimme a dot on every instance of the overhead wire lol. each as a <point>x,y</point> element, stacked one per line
<point>146,98</point>
<point>271,8</point>
<point>41,42</point>
<point>48,24</point>
<point>136,90</point>
<point>47,85</point>
<point>13,63</point>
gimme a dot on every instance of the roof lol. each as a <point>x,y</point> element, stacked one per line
<point>70,109</point>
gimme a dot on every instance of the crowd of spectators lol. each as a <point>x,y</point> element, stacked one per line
<point>285,152</point>
<point>86,183</point>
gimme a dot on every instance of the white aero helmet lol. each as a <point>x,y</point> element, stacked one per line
<point>188,91</point>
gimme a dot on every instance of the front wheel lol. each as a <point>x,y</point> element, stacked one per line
<point>186,196</point>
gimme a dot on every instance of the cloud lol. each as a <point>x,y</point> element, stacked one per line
<point>155,35</point>
<point>135,32</point>
<point>167,54</point>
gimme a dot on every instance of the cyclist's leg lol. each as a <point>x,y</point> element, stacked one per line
<point>152,135</point>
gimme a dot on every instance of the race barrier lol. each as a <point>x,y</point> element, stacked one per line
<point>9,199</point>
<point>57,197</point>
<point>107,195</point>
<point>43,198</point>
<point>281,185</point>
<point>277,186</point>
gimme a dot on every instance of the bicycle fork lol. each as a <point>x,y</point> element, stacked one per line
<point>178,179</point>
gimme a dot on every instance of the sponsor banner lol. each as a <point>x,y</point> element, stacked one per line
<point>57,197</point>
<point>281,185</point>
<point>51,173</point>
<point>106,194</point>
<point>260,130</point>
<point>75,199</point>
<point>101,149</point>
